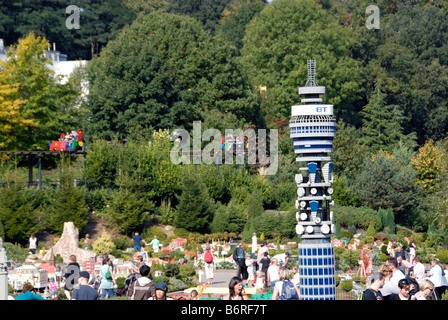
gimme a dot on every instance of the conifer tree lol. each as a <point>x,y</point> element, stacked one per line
<point>195,209</point>
<point>66,203</point>
<point>382,124</point>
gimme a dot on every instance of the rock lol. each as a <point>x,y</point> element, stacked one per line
<point>68,245</point>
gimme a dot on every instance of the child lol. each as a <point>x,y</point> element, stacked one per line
<point>194,295</point>
<point>86,242</point>
<point>259,280</point>
<point>53,288</point>
<point>296,276</point>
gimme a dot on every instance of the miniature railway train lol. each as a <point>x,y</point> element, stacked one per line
<point>70,142</point>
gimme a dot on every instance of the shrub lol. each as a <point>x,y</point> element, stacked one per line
<point>120,282</point>
<point>187,270</point>
<point>347,285</point>
<point>154,231</point>
<point>171,270</point>
<point>103,244</point>
<point>14,252</point>
<point>176,284</point>
<point>357,216</point>
<point>161,279</point>
<point>123,242</point>
<point>338,280</point>
<point>442,255</point>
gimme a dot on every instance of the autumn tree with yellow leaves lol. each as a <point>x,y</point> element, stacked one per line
<point>11,120</point>
<point>35,106</point>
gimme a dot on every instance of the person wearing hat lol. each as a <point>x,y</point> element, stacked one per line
<point>84,292</point>
<point>161,290</point>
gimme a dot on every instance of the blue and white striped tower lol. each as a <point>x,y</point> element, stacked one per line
<point>313,128</point>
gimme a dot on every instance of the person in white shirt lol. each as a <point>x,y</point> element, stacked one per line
<point>419,270</point>
<point>397,275</point>
<point>391,286</point>
<point>33,244</point>
<point>437,276</point>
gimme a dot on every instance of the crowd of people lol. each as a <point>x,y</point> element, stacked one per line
<point>401,279</point>
<point>261,271</point>
<point>81,285</point>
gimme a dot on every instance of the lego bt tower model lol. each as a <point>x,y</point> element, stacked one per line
<point>312,129</point>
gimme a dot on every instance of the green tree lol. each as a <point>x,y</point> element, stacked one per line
<point>127,211</point>
<point>387,219</point>
<point>207,12</point>
<point>235,18</point>
<point>138,166</point>
<point>254,205</point>
<point>195,209</point>
<point>146,6</point>
<point>47,103</point>
<point>348,151</point>
<point>384,183</point>
<point>99,22</point>
<point>165,71</point>
<point>279,41</point>
<point>65,203</point>
<point>11,120</point>
<point>18,215</point>
<point>382,124</point>
<point>100,167</point>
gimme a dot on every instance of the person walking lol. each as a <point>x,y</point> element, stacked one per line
<point>239,256</point>
<point>397,275</point>
<point>137,238</point>
<point>265,262</point>
<point>107,279</point>
<point>155,243</point>
<point>264,248</point>
<point>388,288</point>
<point>391,248</point>
<point>33,244</point>
<point>140,263</point>
<point>71,276</point>
<point>86,242</point>
<point>437,277</point>
<point>250,271</point>
<point>84,291</point>
<point>52,285</point>
<point>401,253</point>
<point>209,265</point>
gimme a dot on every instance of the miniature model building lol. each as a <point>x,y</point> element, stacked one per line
<point>313,128</point>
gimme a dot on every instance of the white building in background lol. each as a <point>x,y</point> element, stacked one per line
<point>60,65</point>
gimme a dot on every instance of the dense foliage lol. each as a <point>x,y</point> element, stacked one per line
<point>160,65</point>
